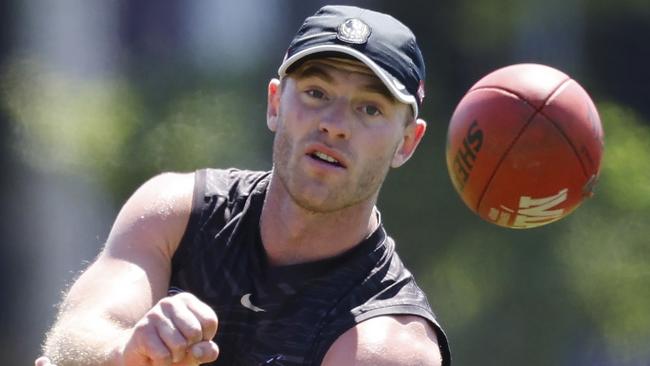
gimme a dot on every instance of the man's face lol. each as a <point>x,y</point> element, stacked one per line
<point>338,131</point>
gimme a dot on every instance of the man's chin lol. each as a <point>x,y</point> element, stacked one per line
<point>316,203</point>
<point>320,196</point>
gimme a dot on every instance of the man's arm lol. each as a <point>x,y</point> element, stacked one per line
<point>116,313</point>
<point>404,340</point>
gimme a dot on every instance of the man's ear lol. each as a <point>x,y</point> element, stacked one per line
<point>273,104</point>
<point>412,136</point>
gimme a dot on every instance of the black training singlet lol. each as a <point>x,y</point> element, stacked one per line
<point>282,315</point>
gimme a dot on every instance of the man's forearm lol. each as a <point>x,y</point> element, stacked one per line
<point>85,340</point>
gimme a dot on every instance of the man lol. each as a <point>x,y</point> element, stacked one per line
<point>288,267</point>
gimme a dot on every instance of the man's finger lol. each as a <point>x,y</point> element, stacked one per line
<point>205,352</point>
<point>206,316</point>
<point>154,347</point>
<point>185,321</point>
<point>43,361</point>
<point>173,339</point>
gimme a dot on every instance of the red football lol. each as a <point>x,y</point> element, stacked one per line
<point>524,146</point>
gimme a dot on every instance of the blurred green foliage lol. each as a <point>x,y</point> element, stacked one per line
<point>607,247</point>
<point>68,124</point>
<point>626,174</point>
<point>102,128</point>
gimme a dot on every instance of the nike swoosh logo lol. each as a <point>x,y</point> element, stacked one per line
<point>246,302</point>
<point>272,360</point>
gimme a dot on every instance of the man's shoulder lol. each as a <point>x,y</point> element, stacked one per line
<point>163,189</point>
<point>387,340</point>
<point>164,196</point>
<point>171,181</point>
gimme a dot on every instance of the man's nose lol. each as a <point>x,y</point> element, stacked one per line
<point>335,120</point>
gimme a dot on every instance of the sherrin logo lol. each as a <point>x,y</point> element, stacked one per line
<point>466,155</point>
<point>532,212</point>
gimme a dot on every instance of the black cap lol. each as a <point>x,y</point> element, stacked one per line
<point>380,41</point>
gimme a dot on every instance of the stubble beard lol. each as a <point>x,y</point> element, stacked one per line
<point>337,198</point>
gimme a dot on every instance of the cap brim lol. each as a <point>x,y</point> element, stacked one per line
<point>394,86</point>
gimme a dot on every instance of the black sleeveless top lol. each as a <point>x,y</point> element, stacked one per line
<point>282,315</point>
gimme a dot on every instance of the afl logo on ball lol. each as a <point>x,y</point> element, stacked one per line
<point>353,31</point>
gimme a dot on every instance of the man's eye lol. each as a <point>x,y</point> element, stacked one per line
<point>315,93</point>
<point>371,110</point>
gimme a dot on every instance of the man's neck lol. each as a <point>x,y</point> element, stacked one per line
<point>292,234</point>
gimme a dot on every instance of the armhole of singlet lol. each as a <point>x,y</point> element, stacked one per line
<point>443,343</point>
<point>193,223</point>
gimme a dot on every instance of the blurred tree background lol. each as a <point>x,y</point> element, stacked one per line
<point>97,96</point>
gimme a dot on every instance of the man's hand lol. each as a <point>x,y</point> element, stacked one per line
<point>178,330</point>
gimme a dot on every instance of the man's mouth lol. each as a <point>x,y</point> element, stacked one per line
<point>325,158</point>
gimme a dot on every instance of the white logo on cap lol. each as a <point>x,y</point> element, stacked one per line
<point>353,31</point>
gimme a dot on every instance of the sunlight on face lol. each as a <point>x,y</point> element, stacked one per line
<point>337,132</point>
